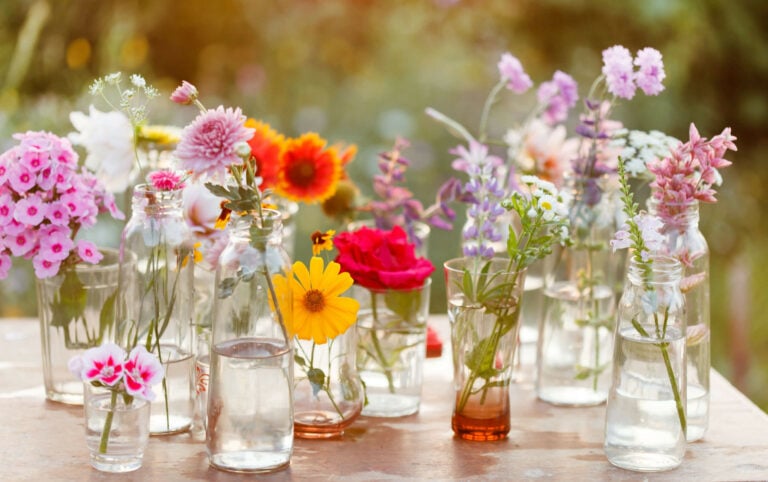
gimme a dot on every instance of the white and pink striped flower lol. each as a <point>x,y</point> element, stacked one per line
<point>142,370</point>
<point>102,364</point>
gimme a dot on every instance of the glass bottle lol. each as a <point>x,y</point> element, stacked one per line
<point>576,333</point>
<point>156,280</point>
<point>685,242</point>
<point>250,387</point>
<point>645,414</point>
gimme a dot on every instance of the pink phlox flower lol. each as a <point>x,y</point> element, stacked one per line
<point>75,203</point>
<point>511,69</point>
<point>7,208</point>
<point>103,364</point>
<point>6,160</point>
<point>21,178</point>
<point>618,71</point>
<point>88,252</point>
<point>165,180</point>
<point>5,264</point>
<point>58,214</point>
<point>13,228</point>
<point>36,157</point>
<point>208,144</point>
<point>30,210</point>
<point>184,94</point>
<point>22,243</point>
<point>56,247</point>
<point>142,370</point>
<point>651,71</point>
<point>44,266</point>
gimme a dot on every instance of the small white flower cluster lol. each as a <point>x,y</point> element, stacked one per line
<point>638,148</point>
<point>546,199</point>
<point>133,100</point>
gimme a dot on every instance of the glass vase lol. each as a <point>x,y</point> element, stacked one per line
<point>250,386</point>
<point>327,394</point>
<point>391,347</point>
<point>576,333</point>
<point>685,242</point>
<point>484,304</point>
<point>116,429</point>
<point>418,232</point>
<point>76,311</point>
<point>645,414</point>
<point>157,283</point>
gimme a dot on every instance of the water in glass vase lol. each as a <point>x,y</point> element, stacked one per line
<point>173,408</point>
<point>250,406</point>
<point>530,316</point>
<point>576,346</point>
<point>486,421</point>
<point>389,361</point>
<point>644,432</point>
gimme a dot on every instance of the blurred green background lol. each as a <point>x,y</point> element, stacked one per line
<point>363,71</point>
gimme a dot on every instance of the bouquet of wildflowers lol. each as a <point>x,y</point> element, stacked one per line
<point>46,199</point>
<point>108,367</point>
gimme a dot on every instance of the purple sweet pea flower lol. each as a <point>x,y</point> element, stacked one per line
<point>618,71</point>
<point>651,71</point>
<point>511,70</point>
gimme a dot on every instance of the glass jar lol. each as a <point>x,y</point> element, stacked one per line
<point>645,415</point>
<point>157,283</point>
<point>684,241</point>
<point>576,333</point>
<point>328,395</point>
<point>250,385</point>
<point>484,303</point>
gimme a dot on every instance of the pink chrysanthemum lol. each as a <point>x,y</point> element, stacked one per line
<point>618,71</point>
<point>165,180</point>
<point>511,69</point>
<point>208,144</point>
<point>651,71</point>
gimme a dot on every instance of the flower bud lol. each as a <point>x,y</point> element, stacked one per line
<point>184,94</point>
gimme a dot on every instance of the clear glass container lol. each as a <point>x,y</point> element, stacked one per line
<point>250,387</point>
<point>576,333</point>
<point>155,309</point>
<point>645,414</point>
<point>686,243</point>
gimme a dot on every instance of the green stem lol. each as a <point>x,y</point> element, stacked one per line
<point>675,389</point>
<point>377,346</point>
<point>489,101</point>
<point>108,423</point>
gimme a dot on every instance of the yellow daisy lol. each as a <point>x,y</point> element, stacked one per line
<point>319,313</point>
<point>322,241</point>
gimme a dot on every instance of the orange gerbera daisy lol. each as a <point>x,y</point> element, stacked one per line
<point>267,147</point>
<point>308,172</point>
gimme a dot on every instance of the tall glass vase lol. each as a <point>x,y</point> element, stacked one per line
<point>250,387</point>
<point>645,422</point>
<point>76,311</point>
<point>685,242</point>
<point>155,310</point>
<point>328,394</point>
<point>576,334</point>
<point>484,303</point>
<point>391,347</point>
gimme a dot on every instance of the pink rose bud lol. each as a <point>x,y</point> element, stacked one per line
<point>184,94</point>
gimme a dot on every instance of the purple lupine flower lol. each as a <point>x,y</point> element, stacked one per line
<point>511,70</point>
<point>618,71</point>
<point>651,71</point>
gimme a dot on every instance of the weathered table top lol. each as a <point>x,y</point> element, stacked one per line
<point>41,441</point>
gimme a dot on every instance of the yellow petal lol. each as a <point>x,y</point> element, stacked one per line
<point>302,275</point>
<point>316,271</point>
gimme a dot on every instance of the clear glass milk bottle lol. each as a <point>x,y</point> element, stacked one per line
<point>250,389</point>
<point>155,309</point>
<point>645,414</point>
<point>685,242</point>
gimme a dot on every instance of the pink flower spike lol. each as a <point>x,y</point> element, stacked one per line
<point>103,364</point>
<point>5,264</point>
<point>44,267</point>
<point>184,94</point>
<point>88,252</point>
<point>165,180</point>
<point>511,69</point>
<point>142,370</point>
<point>651,71</point>
<point>30,211</point>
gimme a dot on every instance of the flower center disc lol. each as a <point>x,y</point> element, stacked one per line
<point>314,300</point>
<point>301,173</point>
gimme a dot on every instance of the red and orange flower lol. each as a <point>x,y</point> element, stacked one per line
<point>309,172</point>
<point>267,146</point>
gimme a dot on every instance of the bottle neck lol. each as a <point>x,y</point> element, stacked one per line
<point>678,216</point>
<point>150,202</point>
<point>664,270</point>
<point>259,230</point>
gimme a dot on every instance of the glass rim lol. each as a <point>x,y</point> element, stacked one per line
<point>458,265</point>
<point>427,283</point>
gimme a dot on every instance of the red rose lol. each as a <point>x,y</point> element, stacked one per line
<point>378,259</point>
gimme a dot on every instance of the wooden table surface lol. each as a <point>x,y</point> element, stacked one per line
<point>43,441</point>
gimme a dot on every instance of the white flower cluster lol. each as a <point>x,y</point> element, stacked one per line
<point>638,148</point>
<point>547,203</point>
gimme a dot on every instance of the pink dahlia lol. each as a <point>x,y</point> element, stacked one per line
<point>208,144</point>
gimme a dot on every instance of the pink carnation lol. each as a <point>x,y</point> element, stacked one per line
<point>165,180</point>
<point>208,144</point>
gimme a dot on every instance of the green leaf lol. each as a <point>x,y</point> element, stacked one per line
<point>403,303</point>
<point>317,379</point>
<point>482,357</point>
<point>107,314</point>
<point>300,360</point>
<point>220,191</point>
<point>226,287</point>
